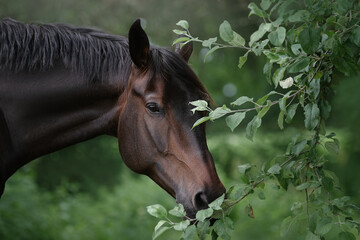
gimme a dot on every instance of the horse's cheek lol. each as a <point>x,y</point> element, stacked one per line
<point>131,146</point>
<point>158,131</point>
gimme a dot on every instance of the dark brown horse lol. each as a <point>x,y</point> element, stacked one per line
<point>60,85</point>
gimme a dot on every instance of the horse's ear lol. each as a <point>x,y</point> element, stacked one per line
<point>184,51</point>
<point>139,46</point>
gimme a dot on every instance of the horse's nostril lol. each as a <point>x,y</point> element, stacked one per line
<point>200,201</point>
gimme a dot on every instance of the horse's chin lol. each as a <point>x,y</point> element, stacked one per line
<point>189,209</point>
<point>191,215</point>
<point>192,218</point>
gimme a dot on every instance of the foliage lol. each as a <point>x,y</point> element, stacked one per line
<point>305,46</point>
<point>28,213</point>
<point>82,166</point>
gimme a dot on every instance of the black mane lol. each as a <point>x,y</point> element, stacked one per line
<point>171,66</point>
<point>38,47</point>
<point>90,52</point>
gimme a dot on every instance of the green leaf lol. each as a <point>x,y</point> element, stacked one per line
<point>160,224</point>
<point>267,71</point>
<point>312,113</point>
<point>178,211</point>
<point>255,10</point>
<point>314,88</point>
<point>209,42</point>
<point>181,226</point>
<point>310,39</point>
<point>252,127</point>
<point>214,235</point>
<point>243,168</point>
<point>333,147</point>
<point>234,120</point>
<point>258,47</point>
<point>278,75</point>
<point>179,32</point>
<point>265,4</point>
<point>242,60</point>
<point>346,236</point>
<point>219,112</point>
<point>210,52</point>
<point>275,169</point>
<point>282,101</point>
<point>278,21</point>
<point>200,121</point>
<point>322,129</point>
<point>297,148</point>
<point>203,229</point>
<point>303,186</point>
<point>240,192</point>
<point>180,40</point>
<point>297,207</point>
<point>356,36</point>
<point>286,174</point>
<point>201,215</point>
<point>344,66</point>
<point>282,181</point>
<point>216,204</point>
<point>160,231</point>
<point>200,105</point>
<point>325,109</point>
<point>324,226</point>
<point>299,65</point>
<point>277,37</point>
<point>331,135</point>
<point>313,221</point>
<point>281,120</point>
<point>245,179</point>
<point>262,100</point>
<point>273,57</point>
<point>296,48</point>
<point>261,196</point>
<point>311,236</point>
<point>306,185</point>
<point>265,109</point>
<point>263,28</point>
<point>344,5</point>
<point>226,33</point>
<point>327,183</point>
<point>241,100</point>
<point>189,233</point>
<point>238,40</point>
<point>291,111</point>
<point>290,228</point>
<point>183,23</point>
<point>224,228</point>
<point>301,15</point>
<point>157,211</point>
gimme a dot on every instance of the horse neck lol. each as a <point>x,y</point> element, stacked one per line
<point>47,111</point>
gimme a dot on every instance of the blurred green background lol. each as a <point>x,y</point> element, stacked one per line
<point>86,192</point>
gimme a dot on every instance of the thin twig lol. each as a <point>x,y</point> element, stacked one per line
<point>263,179</point>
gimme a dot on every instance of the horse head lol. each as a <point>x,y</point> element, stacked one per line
<point>155,131</point>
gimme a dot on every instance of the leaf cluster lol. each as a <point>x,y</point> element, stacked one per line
<point>305,44</point>
<point>200,226</point>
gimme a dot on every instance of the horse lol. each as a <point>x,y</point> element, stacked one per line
<point>61,85</point>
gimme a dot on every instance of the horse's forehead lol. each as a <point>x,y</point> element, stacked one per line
<point>172,78</point>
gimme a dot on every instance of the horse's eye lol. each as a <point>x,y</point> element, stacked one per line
<point>153,107</point>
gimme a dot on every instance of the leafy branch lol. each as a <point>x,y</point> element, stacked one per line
<point>303,47</point>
